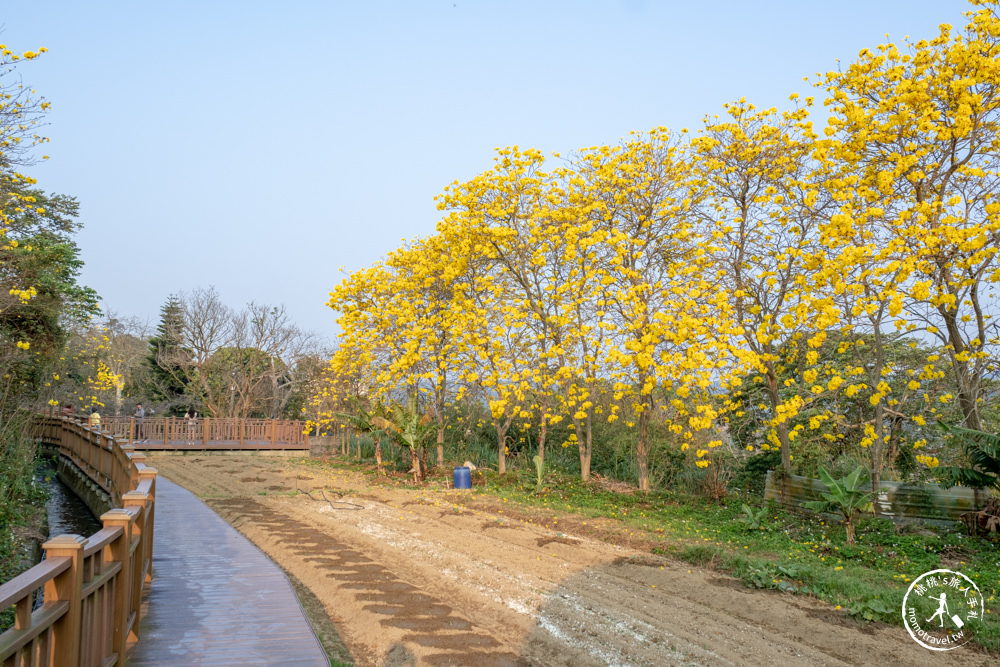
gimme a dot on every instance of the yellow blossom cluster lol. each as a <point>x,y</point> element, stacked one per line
<point>678,271</point>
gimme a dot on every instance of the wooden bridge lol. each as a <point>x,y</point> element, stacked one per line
<point>205,433</point>
<point>215,599</point>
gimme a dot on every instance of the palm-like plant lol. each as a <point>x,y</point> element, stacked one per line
<point>752,517</point>
<point>366,421</point>
<point>409,428</point>
<point>844,496</point>
<point>983,452</point>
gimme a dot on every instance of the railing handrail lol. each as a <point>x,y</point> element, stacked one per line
<point>31,580</point>
<point>93,585</point>
<point>205,430</point>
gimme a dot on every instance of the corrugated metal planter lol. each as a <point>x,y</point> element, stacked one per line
<point>897,501</point>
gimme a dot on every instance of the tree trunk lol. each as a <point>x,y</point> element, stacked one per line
<point>583,445</point>
<point>968,401</point>
<point>378,455</point>
<point>642,447</point>
<point>782,428</point>
<point>849,525</point>
<point>542,433</point>
<point>439,408</point>
<point>878,446</point>
<point>967,385</point>
<point>423,463</point>
<point>501,430</point>
<point>878,451</point>
<point>415,460</point>
<point>892,449</point>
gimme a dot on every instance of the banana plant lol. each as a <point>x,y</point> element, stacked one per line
<point>844,496</point>
<point>409,429</point>
<point>365,421</point>
<point>752,517</point>
<point>539,471</point>
<point>982,450</point>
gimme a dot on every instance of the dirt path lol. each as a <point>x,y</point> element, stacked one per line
<point>437,577</point>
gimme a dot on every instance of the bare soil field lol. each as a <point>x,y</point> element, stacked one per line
<point>435,576</point>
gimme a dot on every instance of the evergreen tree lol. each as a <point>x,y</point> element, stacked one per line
<point>167,356</point>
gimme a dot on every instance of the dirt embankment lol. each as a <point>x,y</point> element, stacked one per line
<point>437,577</point>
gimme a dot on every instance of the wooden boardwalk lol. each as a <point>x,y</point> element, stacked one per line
<point>205,433</point>
<point>216,599</point>
<point>215,445</point>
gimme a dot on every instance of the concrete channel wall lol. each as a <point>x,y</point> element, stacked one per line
<point>93,496</point>
<point>898,501</point>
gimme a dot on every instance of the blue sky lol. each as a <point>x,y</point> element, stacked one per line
<point>259,147</point>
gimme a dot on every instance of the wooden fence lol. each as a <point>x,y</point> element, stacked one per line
<point>205,431</point>
<point>92,585</point>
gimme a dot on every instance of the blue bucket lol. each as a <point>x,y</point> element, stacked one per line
<point>463,478</point>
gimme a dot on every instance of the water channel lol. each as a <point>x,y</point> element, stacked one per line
<point>66,512</point>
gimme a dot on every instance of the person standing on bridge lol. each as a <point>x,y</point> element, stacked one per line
<point>192,422</point>
<point>140,414</point>
<point>94,421</point>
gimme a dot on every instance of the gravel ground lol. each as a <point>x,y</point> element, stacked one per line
<point>439,577</point>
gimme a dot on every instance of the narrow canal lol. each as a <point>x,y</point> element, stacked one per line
<point>66,512</point>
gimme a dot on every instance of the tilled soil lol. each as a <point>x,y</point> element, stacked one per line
<point>441,577</point>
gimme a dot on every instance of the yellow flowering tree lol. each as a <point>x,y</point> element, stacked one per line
<point>581,234</point>
<point>514,214</point>
<point>913,140</point>
<point>659,297</point>
<point>397,324</point>
<point>510,331</point>
<point>425,277</point>
<point>760,208</point>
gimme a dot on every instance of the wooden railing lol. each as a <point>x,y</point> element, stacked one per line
<point>92,585</point>
<point>206,430</point>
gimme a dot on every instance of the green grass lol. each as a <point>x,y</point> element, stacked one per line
<point>799,554</point>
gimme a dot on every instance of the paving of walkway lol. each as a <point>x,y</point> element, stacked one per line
<point>216,599</point>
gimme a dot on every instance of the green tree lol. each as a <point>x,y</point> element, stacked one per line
<point>167,356</point>
<point>39,251</point>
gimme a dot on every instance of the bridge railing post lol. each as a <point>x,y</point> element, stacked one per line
<point>118,550</point>
<point>137,558</point>
<point>149,473</point>
<point>68,587</point>
<point>137,457</point>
